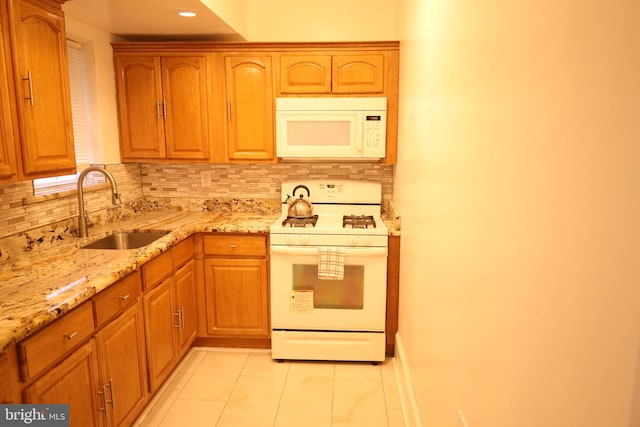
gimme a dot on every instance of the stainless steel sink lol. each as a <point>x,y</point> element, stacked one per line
<point>129,240</point>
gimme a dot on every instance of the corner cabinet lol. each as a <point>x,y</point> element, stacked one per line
<point>41,85</point>
<point>162,107</point>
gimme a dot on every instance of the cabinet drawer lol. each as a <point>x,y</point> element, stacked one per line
<point>43,348</point>
<point>156,270</point>
<point>183,252</point>
<point>116,298</point>
<point>235,245</point>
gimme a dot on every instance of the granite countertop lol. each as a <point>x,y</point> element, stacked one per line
<point>41,281</point>
<point>37,286</point>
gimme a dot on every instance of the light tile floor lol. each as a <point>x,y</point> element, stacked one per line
<point>237,388</point>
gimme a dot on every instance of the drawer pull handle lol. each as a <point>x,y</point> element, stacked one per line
<point>124,297</point>
<point>71,335</point>
<point>233,246</point>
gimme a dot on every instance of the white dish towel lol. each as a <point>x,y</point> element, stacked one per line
<point>330,263</point>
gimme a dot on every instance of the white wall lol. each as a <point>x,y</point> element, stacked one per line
<point>328,20</point>
<point>518,182</point>
<point>103,129</point>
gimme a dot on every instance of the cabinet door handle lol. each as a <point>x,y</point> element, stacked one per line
<point>30,97</point>
<point>104,400</point>
<point>71,335</point>
<point>113,399</point>
<point>124,297</point>
<point>177,313</point>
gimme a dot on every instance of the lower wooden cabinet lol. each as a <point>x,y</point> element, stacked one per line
<point>123,367</point>
<point>74,381</point>
<point>104,380</point>
<point>169,323</point>
<point>235,294</point>
<point>237,297</point>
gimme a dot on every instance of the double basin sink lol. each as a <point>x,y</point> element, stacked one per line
<point>126,240</point>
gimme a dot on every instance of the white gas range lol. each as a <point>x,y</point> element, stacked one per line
<point>328,273</point>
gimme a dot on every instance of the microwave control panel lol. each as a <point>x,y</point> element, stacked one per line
<point>375,134</point>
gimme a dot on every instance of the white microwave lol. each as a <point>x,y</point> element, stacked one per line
<point>331,128</point>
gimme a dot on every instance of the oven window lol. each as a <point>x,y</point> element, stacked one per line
<point>347,293</point>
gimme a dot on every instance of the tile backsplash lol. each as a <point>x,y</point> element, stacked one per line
<point>21,211</point>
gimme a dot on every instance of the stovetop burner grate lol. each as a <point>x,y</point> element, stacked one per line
<point>358,221</point>
<point>293,221</point>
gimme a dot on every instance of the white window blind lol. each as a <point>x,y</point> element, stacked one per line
<point>77,80</point>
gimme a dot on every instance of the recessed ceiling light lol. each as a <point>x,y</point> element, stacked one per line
<point>186,12</point>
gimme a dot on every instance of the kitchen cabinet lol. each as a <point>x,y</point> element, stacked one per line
<point>160,321</point>
<point>8,159</point>
<point>123,367</point>
<point>236,290</point>
<point>243,81</point>
<point>250,108</point>
<point>67,362</point>
<point>41,84</point>
<point>74,381</point>
<point>353,73</point>
<point>162,107</point>
<point>169,310</point>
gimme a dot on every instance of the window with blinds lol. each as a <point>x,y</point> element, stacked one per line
<point>78,81</point>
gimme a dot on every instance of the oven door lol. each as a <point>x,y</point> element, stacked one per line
<point>302,301</point>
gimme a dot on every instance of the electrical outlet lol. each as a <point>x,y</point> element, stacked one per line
<point>205,179</point>
<point>462,422</point>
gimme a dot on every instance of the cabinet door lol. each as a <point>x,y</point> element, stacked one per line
<point>184,88</point>
<point>122,361</point>
<point>161,320</point>
<point>249,88</point>
<point>186,304</point>
<point>305,74</point>
<point>42,91</point>
<point>140,107</point>
<point>74,381</point>
<point>8,165</point>
<point>357,74</point>
<point>237,297</point>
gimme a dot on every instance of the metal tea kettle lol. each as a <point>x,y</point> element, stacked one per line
<point>299,208</point>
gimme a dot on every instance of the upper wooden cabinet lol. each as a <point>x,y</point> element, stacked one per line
<point>41,85</point>
<point>352,73</point>
<point>250,112</point>
<point>162,107</point>
<point>8,159</point>
<point>242,82</point>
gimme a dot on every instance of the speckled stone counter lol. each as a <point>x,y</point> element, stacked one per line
<point>38,285</point>
<point>45,273</point>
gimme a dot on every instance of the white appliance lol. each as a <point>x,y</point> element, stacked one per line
<point>330,319</point>
<point>331,128</point>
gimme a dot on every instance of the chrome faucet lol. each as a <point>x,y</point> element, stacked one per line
<point>82,214</point>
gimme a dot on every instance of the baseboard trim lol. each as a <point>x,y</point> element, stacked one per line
<point>405,386</point>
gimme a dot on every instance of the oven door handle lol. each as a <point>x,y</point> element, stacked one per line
<point>294,250</point>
